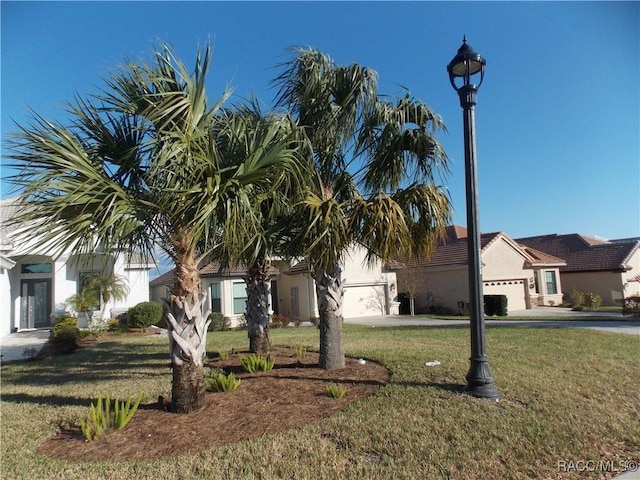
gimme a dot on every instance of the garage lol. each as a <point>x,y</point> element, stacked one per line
<point>515,290</point>
<point>364,301</point>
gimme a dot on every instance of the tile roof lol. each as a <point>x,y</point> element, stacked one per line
<point>451,251</point>
<point>584,254</point>
<point>209,269</point>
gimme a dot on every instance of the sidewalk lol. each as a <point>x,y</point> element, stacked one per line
<point>22,345</point>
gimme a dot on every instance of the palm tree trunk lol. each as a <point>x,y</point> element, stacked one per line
<point>330,292</point>
<point>258,289</point>
<point>187,320</point>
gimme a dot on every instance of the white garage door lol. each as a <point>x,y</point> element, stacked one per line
<point>363,301</point>
<point>513,289</point>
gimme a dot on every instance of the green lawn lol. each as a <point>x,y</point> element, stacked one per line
<point>568,396</point>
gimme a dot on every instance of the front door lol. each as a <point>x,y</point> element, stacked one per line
<point>35,306</point>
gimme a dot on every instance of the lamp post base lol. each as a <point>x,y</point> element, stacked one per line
<point>480,381</point>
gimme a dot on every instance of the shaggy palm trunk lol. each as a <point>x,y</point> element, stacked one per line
<point>258,288</point>
<point>187,318</point>
<point>330,292</point>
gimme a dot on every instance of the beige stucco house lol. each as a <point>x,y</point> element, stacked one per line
<point>369,289</point>
<point>35,286</point>
<point>609,268</point>
<point>527,277</point>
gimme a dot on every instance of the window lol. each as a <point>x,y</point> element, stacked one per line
<point>295,302</point>
<point>550,279</point>
<point>216,305</point>
<point>94,297</point>
<point>239,298</point>
<point>36,268</point>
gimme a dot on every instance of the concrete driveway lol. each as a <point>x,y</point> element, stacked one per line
<point>23,345</point>
<point>602,321</point>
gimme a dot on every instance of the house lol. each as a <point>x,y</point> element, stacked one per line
<point>369,290</point>
<point>35,286</point>
<point>526,276</point>
<point>609,268</point>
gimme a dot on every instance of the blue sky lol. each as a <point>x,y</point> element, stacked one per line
<point>558,115</point>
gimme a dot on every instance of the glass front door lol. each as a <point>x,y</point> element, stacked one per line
<point>35,308</point>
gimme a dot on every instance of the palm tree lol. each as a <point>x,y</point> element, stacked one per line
<point>107,286</point>
<point>271,208</point>
<point>142,164</point>
<point>377,164</point>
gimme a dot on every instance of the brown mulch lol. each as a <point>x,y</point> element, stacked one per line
<point>292,394</point>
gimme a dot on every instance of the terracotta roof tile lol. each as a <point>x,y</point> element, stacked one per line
<point>209,269</point>
<point>584,254</point>
<point>453,252</point>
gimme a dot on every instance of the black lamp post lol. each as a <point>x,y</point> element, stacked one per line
<point>465,65</point>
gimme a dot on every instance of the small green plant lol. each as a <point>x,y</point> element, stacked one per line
<point>113,325</point>
<point>254,363</point>
<point>336,391</point>
<point>102,417</point>
<point>223,354</point>
<point>217,381</point>
<point>301,351</point>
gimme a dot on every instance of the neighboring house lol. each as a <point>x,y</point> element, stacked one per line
<point>34,286</point>
<point>527,277</point>
<point>368,289</point>
<point>226,289</point>
<point>609,268</point>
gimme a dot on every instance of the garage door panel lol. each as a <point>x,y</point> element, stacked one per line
<point>363,301</point>
<point>513,289</point>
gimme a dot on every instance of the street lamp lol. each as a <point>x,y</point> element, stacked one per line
<point>465,68</point>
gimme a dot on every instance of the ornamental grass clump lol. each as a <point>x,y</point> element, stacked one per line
<point>254,363</point>
<point>336,391</point>
<point>219,382</point>
<point>102,417</point>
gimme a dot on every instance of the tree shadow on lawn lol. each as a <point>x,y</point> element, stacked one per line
<point>95,363</point>
<point>446,386</point>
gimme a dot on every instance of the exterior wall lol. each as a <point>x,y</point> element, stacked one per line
<point>631,284</point>
<point>609,285</point>
<point>368,290</point>
<point>443,288</point>
<point>542,297</point>
<point>307,304</point>
<point>64,284</point>
<point>5,302</point>
<point>504,272</point>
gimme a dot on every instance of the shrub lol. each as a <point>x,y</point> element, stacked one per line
<point>145,314</point>
<point>217,322</point>
<point>336,391</point>
<point>632,305</point>
<point>585,300</point>
<point>496,305</point>
<point>254,363</point>
<point>65,335</point>
<point>62,322</point>
<point>113,325</point>
<point>219,382</point>
<point>102,417</point>
<point>278,321</point>
<point>301,351</point>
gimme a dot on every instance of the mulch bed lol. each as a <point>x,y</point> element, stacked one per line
<point>292,394</point>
